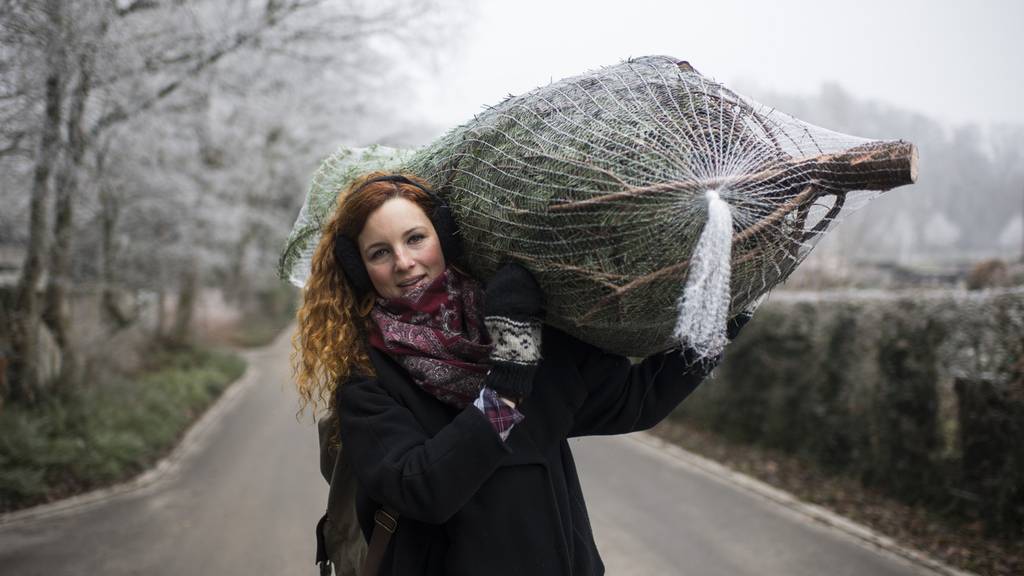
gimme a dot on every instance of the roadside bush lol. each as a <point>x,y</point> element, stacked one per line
<point>106,433</point>
<point>919,396</point>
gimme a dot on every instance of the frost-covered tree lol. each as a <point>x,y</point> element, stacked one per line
<point>175,127</point>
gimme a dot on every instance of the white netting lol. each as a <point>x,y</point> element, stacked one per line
<point>704,305</point>
<point>333,175</point>
<point>598,184</point>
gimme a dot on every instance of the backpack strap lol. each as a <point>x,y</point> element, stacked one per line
<point>321,548</point>
<point>385,522</point>
<point>340,543</point>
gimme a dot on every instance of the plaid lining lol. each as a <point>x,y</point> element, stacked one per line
<point>502,416</point>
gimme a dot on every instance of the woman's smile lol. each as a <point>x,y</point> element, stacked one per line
<point>409,285</point>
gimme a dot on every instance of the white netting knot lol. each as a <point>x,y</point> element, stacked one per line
<point>704,305</point>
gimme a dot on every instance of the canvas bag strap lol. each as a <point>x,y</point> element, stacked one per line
<point>385,521</point>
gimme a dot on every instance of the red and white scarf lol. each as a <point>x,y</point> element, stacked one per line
<point>436,332</point>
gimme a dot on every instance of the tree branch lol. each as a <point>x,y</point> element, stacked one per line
<point>240,41</point>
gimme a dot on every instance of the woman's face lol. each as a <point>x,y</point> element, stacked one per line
<point>400,248</point>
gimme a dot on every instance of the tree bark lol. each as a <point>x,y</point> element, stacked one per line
<point>114,317</point>
<point>25,385</point>
<point>55,308</point>
<point>238,290</point>
<point>183,312</point>
<point>56,312</point>
<point>161,313</point>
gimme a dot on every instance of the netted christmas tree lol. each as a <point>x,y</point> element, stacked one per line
<point>650,202</point>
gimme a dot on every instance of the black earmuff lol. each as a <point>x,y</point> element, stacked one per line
<point>347,256</point>
<point>346,252</point>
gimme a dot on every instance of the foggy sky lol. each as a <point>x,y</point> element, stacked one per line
<point>955,61</point>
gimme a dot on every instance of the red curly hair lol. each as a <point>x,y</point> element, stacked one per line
<point>330,342</point>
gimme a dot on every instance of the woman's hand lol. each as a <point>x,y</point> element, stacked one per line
<point>732,330</point>
<point>513,293</point>
<point>736,323</point>
<point>513,305</point>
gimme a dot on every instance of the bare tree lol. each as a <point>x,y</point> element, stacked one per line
<point>110,68</point>
<point>43,27</point>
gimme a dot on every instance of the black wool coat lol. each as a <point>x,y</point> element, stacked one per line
<point>472,504</point>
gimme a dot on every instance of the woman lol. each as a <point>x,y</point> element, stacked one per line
<point>454,404</point>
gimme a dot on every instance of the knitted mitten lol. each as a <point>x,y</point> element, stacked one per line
<point>512,308</point>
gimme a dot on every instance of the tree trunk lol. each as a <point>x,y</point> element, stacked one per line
<point>113,313</point>
<point>26,383</point>
<point>57,314</point>
<point>55,311</point>
<point>238,290</point>
<point>183,312</point>
<point>161,313</point>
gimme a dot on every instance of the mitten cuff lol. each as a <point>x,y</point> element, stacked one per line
<point>516,341</point>
<point>511,380</point>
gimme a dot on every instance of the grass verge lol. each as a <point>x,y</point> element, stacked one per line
<point>107,432</point>
<point>257,331</point>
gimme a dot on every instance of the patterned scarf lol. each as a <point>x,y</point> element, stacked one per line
<point>436,332</point>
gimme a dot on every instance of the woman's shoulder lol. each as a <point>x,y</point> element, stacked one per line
<point>379,379</point>
<point>388,384</point>
<point>357,386</point>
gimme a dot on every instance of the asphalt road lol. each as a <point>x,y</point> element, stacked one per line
<point>245,496</point>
